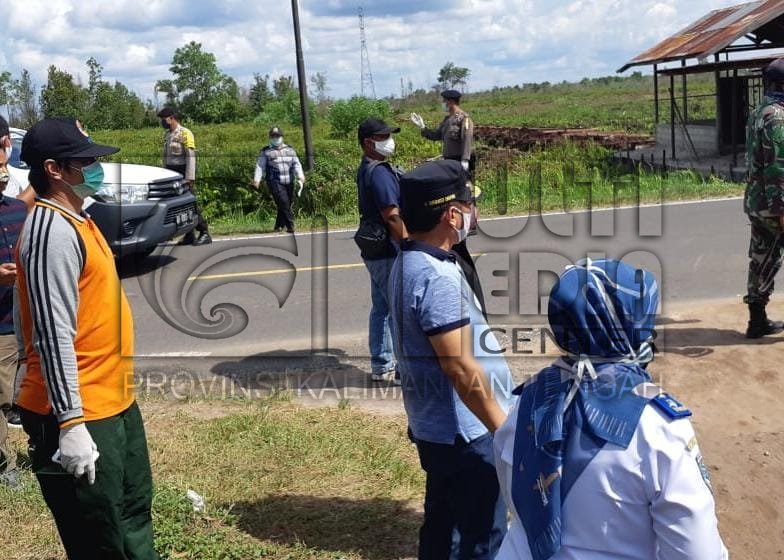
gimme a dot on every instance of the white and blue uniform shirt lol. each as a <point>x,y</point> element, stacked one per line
<point>594,461</point>
<point>649,501</point>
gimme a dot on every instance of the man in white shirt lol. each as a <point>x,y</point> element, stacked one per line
<point>596,462</point>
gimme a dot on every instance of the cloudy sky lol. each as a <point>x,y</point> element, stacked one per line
<point>502,42</point>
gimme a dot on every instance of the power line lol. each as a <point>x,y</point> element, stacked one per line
<point>367,75</point>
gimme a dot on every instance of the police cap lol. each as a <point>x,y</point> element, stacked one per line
<point>433,185</point>
<point>451,94</point>
<point>774,72</point>
<point>275,131</point>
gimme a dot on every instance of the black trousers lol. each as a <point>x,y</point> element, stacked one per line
<point>283,196</point>
<point>465,515</point>
<point>201,221</point>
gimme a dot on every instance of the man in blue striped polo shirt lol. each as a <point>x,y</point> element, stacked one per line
<point>457,387</point>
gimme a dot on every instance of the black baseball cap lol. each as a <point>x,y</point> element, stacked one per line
<point>451,94</point>
<point>434,185</point>
<point>59,138</point>
<point>275,131</point>
<point>774,71</point>
<point>371,127</point>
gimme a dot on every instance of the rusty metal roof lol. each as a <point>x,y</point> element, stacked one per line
<point>718,30</point>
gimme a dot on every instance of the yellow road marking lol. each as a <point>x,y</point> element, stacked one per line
<point>283,271</point>
<point>274,271</point>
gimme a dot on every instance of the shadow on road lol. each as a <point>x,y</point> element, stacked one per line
<point>131,266</point>
<point>377,529</point>
<point>696,342</point>
<point>325,374</point>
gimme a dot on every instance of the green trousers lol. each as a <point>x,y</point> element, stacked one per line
<point>766,251</point>
<point>111,519</point>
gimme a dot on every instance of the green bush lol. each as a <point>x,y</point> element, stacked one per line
<point>286,110</point>
<point>345,116</point>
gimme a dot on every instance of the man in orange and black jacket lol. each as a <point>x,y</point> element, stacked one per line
<point>76,401</point>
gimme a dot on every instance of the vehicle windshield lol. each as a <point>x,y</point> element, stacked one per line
<point>16,140</point>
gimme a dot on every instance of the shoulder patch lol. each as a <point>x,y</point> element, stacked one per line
<point>670,406</point>
<point>704,472</point>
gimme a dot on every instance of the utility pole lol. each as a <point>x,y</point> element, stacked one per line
<point>303,90</point>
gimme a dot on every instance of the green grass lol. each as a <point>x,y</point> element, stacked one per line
<point>280,481</point>
<point>227,154</point>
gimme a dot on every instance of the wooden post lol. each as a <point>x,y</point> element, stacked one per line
<point>734,125</point>
<point>656,93</point>
<point>685,100</point>
<point>672,117</point>
<point>717,79</point>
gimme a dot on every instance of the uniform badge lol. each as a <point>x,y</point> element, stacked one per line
<point>704,472</point>
<point>671,406</point>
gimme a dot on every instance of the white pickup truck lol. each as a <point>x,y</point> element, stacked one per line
<point>138,207</point>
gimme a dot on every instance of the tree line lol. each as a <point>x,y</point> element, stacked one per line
<point>197,88</point>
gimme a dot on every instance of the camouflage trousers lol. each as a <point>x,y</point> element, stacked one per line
<point>766,250</point>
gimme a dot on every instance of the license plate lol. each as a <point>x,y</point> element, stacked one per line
<point>184,218</point>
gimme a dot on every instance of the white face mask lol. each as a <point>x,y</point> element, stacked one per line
<point>8,151</point>
<point>462,232</point>
<point>276,141</point>
<point>386,147</point>
<point>445,107</point>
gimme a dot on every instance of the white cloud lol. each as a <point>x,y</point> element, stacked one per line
<point>502,42</point>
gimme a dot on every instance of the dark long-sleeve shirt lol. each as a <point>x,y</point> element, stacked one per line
<point>457,134</point>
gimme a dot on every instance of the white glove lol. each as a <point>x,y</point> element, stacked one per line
<point>78,452</point>
<point>417,120</point>
<point>301,185</point>
<point>464,163</point>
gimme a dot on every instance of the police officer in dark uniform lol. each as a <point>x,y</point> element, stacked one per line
<point>456,133</point>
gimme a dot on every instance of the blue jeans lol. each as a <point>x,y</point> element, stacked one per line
<point>379,335</point>
<point>465,515</point>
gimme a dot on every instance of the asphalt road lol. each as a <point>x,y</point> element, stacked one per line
<point>284,295</point>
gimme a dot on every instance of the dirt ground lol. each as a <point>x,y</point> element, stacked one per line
<point>735,388</point>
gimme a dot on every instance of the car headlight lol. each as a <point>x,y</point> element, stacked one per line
<point>127,194</point>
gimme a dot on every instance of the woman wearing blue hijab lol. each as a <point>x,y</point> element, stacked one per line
<point>595,461</point>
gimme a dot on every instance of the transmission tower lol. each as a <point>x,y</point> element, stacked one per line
<point>367,75</point>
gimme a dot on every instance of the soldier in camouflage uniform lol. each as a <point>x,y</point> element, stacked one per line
<point>764,199</point>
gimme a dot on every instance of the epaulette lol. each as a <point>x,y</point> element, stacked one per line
<point>670,406</point>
